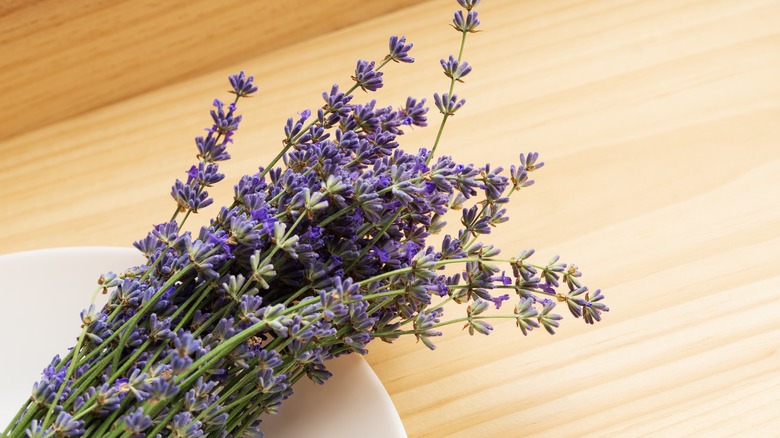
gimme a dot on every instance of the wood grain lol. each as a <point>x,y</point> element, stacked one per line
<point>61,59</point>
<point>658,122</point>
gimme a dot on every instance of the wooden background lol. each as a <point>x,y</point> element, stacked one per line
<point>658,121</point>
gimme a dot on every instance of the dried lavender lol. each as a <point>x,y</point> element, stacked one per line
<point>312,260</point>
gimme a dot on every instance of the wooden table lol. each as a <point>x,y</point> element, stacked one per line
<point>659,122</point>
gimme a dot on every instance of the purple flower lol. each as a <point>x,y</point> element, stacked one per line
<point>209,151</point>
<point>549,320</point>
<point>448,104</point>
<point>336,103</point>
<point>267,382</point>
<point>36,429</point>
<point>592,312</point>
<point>242,85</point>
<point>366,77</point>
<point>293,130</point>
<point>399,50</point>
<point>248,307</point>
<point>134,384</point>
<point>519,174</point>
<point>455,69</point>
<point>190,197</point>
<point>160,389</point>
<point>477,325</point>
<point>219,239</point>
<point>268,359</point>
<point>414,112</point>
<point>424,325</point>
<point>467,24</point>
<point>105,397</point>
<point>45,390</point>
<point>224,122</point>
<point>205,174</point>
<point>136,422</point>
<point>184,426</point>
<point>364,118</point>
<point>64,425</point>
<point>98,329</point>
<point>200,396</point>
<point>166,232</point>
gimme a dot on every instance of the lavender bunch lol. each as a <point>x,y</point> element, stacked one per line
<point>313,259</point>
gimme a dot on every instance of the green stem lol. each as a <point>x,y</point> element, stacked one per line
<point>374,240</point>
<point>442,324</point>
<point>16,417</point>
<point>216,316</point>
<point>390,293</point>
<point>201,365</point>
<point>472,238</point>
<point>247,416</point>
<point>297,294</point>
<point>48,419</point>
<point>446,116</point>
<point>18,431</point>
<point>126,329</point>
<point>378,306</point>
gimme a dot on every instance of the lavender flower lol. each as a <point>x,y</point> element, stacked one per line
<point>423,326</point>
<point>399,50</point>
<point>447,104</point>
<point>224,122</point>
<point>366,77</point>
<point>190,197</point>
<point>526,315</point>
<point>454,69</point>
<point>336,107</point>
<point>160,389</point>
<point>414,113</point>
<point>468,23</point>
<point>64,425</point>
<point>243,86</point>
<point>184,426</point>
<point>209,150</point>
<point>136,422</point>
<point>205,174</point>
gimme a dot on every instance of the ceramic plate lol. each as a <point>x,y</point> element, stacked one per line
<point>42,293</point>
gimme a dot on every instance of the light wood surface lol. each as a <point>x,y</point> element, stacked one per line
<point>658,121</point>
<point>66,58</point>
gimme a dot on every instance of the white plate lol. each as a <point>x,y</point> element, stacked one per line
<point>42,293</point>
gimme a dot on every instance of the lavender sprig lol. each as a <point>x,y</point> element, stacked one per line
<point>192,196</point>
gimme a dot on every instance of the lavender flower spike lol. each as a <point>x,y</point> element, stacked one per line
<point>399,50</point>
<point>136,422</point>
<point>448,104</point>
<point>454,69</point>
<point>414,112</point>
<point>224,122</point>
<point>209,151</point>
<point>190,197</point>
<point>467,24</point>
<point>366,77</point>
<point>242,86</point>
<point>65,426</point>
